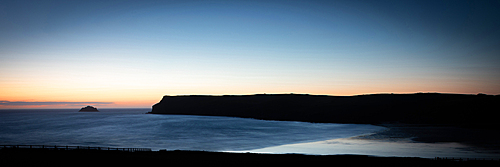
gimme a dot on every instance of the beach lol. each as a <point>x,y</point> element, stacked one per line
<point>484,139</point>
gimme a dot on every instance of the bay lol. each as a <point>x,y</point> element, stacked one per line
<point>134,128</point>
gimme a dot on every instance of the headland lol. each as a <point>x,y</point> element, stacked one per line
<point>419,109</point>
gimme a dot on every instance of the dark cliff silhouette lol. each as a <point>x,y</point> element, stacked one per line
<point>460,110</point>
<point>89,109</point>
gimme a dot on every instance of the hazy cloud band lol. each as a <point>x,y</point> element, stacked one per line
<point>23,103</point>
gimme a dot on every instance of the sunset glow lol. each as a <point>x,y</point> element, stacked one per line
<point>119,54</point>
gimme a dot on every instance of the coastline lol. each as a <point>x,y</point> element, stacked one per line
<point>421,117</point>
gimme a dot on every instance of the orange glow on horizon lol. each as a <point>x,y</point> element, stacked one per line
<point>70,105</point>
<point>137,97</point>
<point>149,103</point>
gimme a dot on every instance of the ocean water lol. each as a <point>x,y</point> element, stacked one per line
<point>133,128</point>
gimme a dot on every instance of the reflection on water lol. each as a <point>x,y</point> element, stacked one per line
<point>401,148</point>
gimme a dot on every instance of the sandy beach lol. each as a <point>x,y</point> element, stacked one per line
<point>403,141</point>
<point>486,139</point>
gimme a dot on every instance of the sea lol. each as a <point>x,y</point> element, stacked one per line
<point>133,128</point>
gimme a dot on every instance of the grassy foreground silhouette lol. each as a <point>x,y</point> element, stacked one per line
<point>37,157</point>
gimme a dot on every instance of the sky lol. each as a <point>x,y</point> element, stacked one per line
<point>118,54</point>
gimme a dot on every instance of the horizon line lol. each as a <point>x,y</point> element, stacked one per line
<point>330,94</point>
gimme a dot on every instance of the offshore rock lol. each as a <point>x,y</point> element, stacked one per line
<point>89,109</point>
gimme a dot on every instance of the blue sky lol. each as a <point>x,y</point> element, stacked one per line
<point>137,51</point>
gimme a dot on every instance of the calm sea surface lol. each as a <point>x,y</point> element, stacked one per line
<point>134,128</point>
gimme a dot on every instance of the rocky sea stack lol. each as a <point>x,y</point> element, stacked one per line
<point>89,109</point>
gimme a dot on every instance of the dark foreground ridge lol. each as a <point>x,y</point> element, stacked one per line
<point>471,111</point>
<point>62,157</point>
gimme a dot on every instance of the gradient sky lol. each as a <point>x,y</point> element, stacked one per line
<point>131,53</point>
